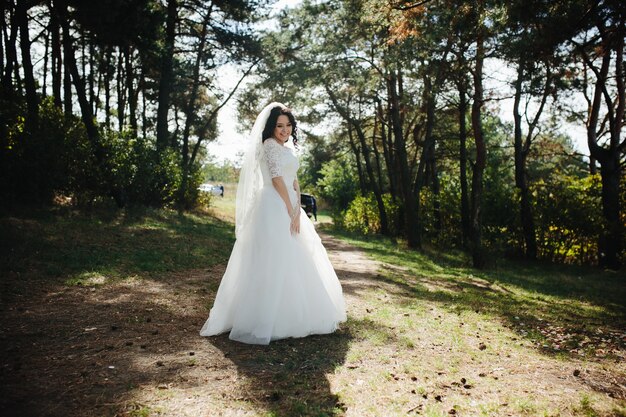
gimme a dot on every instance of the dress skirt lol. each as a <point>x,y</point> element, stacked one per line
<point>277,284</point>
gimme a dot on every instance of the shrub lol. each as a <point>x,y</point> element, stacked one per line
<point>362,215</point>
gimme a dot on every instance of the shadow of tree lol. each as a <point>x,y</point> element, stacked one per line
<point>130,346</point>
<point>289,377</point>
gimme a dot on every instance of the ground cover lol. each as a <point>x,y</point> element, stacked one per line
<point>100,312</point>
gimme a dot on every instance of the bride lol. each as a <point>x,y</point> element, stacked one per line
<point>279,282</point>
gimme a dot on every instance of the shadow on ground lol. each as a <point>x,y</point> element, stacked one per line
<point>129,346</point>
<point>289,377</point>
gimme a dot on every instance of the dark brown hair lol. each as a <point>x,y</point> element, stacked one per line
<point>270,125</point>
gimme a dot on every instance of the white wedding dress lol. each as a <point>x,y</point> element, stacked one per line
<point>276,284</point>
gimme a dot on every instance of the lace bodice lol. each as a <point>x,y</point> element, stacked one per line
<point>278,161</point>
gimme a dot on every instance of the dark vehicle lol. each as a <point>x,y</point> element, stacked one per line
<point>309,204</point>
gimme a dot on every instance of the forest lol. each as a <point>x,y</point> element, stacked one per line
<point>113,102</point>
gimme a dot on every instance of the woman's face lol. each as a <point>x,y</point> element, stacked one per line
<point>282,131</point>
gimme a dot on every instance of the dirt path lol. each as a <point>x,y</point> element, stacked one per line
<point>132,349</point>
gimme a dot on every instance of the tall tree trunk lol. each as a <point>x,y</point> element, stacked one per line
<point>191,110</point>
<point>46,55</point>
<point>360,134</point>
<point>465,209</point>
<point>107,87</point>
<point>429,139</point>
<point>478,255</point>
<point>521,180</point>
<point>144,105</point>
<point>79,85</point>
<point>5,90</point>
<point>428,150</point>
<point>32,102</point>
<point>3,6</point>
<point>382,212</point>
<point>166,79</point>
<point>610,241</point>
<point>92,72</point>
<point>67,79</point>
<point>57,61</point>
<point>121,91</point>
<point>359,167</point>
<point>379,173</point>
<point>411,208</point>
<point>385,138</point>
<point>436,192</point>
<point>522,150</point>
<point>11,50</point>
<point>132,93</point>
<point>610,245</point>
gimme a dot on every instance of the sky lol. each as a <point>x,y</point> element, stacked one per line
<point>230,143</point>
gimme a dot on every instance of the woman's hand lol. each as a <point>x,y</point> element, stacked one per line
<point>294,226</point>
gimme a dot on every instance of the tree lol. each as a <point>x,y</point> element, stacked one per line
<point>604,43</point>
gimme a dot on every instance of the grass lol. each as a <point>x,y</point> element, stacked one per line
<point>560,308</point>
<point>96,248</point>
<point>446,338</point>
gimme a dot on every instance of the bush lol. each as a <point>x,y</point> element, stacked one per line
<point>55,157</point>
<point>362,215</point>
<point>338,186</point>
<point>568,213</point>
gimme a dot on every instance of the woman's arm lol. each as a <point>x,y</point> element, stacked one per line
<point>279,185</point>
<point>296,186</point>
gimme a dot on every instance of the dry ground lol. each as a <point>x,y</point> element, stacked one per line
<point>131,348</point>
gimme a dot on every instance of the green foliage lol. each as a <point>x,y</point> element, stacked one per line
<point>362,214</point>
<point>338,185</point>
<point>569,216</point>
<point>55,158</point>
<point>131,172</point>
<point>33,159</point>
<point>215,171</point>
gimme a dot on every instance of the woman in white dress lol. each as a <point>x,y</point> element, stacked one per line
<point>279,282</point>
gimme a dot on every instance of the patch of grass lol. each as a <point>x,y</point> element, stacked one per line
<point>95,248</point>
<point>139,410</point>
<point>585,407</point>
<point>555,306</point>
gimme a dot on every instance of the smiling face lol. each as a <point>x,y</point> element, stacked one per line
<point>283,128</point>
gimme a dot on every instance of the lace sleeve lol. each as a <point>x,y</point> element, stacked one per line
<point>272,155</point>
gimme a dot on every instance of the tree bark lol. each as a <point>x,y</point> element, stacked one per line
<point>107,87</point>
<point>32,102</point>
<point>11,51</point>
<point>411,213</point>
<point>190,110</point>
<point>521,181</point>
<point>46,56</point>
<point>67,79</point>
<point>379,173</point>
<point>79,85</point>
<point>385,138</point>
<point>360,134</point>
<point>610,240</point>
<point>57,60</point>
<point>357,155</point>
<point>2,32</point>
<point>478,255</point>
<point>465,209</point>
<point>132,93</point>
<point>121,91</point>
<point>166,79</point>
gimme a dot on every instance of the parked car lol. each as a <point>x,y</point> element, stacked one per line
<point>309,204</point>
<point>212,189</point>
